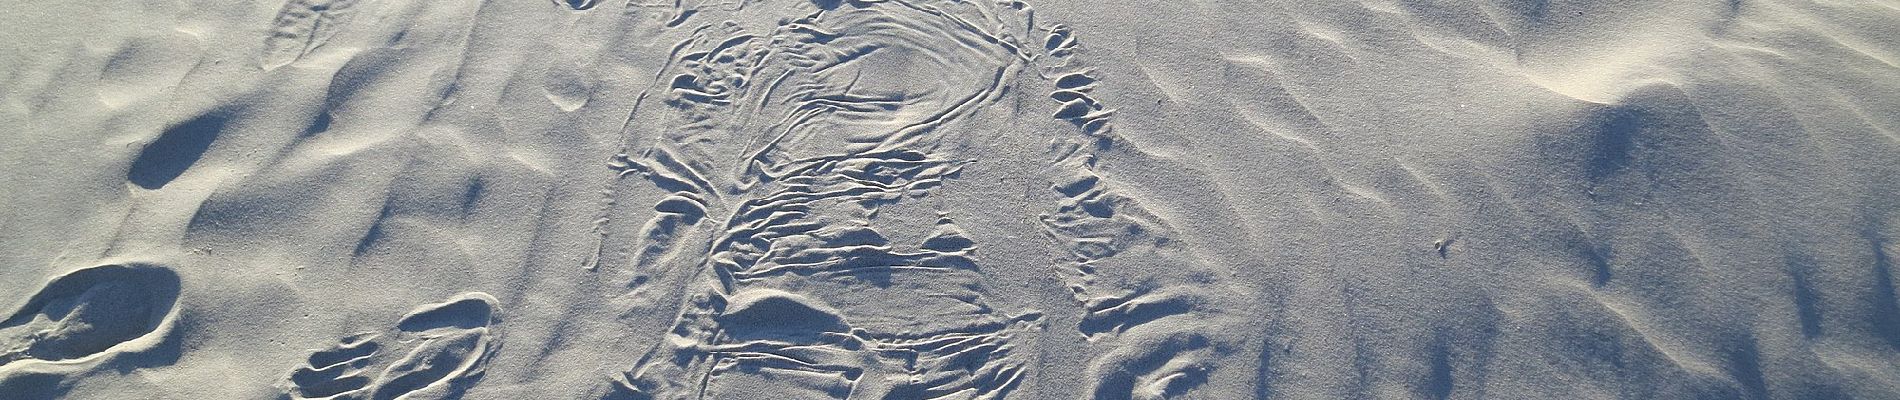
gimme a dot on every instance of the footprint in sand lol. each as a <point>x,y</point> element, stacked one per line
<point>90,313</point>
<point>435,352</point>
<point>302,26</point>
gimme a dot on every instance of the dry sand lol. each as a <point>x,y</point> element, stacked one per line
<point>982,199</point>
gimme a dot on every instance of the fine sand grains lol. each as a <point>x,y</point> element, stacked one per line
<point>949,199</point>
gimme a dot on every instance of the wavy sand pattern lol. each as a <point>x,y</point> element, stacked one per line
<point>950,199</point>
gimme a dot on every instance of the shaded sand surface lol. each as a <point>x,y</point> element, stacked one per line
<point>908,199</point>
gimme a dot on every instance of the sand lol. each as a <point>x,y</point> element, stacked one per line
<point>937,199</point>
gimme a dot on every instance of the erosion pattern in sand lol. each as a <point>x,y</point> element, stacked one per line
<point>782,133</point>
<point>949,199</point>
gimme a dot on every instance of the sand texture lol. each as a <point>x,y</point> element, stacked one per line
<point>949,199</point>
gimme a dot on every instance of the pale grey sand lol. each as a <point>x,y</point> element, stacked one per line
<point>955,199</point>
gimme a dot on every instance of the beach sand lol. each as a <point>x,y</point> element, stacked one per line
<point>938,199</point>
